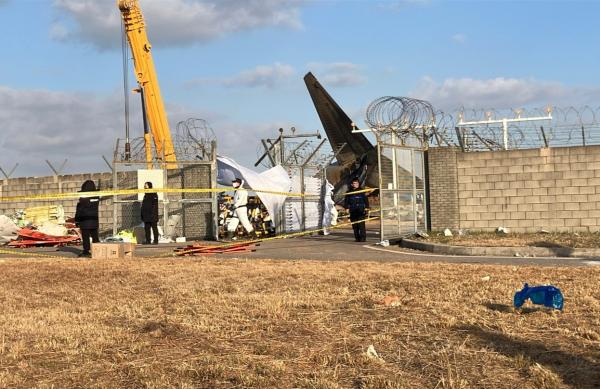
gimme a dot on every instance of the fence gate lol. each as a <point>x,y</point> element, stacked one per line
<point>401,188</point>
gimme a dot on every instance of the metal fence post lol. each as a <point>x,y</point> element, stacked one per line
<point>213,184</point>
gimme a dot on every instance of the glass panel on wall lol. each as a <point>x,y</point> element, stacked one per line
<point>406,212</point>
<point>419,170</point>
<point>404,169</point>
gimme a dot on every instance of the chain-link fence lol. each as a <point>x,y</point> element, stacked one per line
<point>304,157</point>
<point>305,212</point>
<point>190,215</point>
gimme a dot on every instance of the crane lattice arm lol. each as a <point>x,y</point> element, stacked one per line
<point>148,81</point>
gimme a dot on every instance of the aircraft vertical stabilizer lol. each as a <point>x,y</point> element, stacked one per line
<point>337,124</point>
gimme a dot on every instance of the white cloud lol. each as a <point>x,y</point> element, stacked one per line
<point>261,76</point>
<point>459,38</point>
<point>397,5</point>
<point>59,32</point>
<point>338,74</point>
<point>41,124</point>
<point>502,93</point>
<point>177,22</point>
<point>242,141</point>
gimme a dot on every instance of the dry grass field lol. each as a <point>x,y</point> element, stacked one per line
<point>224,323</point>
<point>492,239</point>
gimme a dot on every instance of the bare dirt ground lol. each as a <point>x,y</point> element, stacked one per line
<point>492,239</point>
<point>264,324</point>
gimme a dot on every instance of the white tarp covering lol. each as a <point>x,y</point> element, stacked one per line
<point>275,179</point>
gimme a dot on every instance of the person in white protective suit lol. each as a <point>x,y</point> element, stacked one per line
<point>240,210</point>
<point>330,213</point>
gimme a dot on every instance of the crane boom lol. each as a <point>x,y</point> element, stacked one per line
<point>145,73</point>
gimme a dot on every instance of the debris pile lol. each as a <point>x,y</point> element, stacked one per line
<point>31,238</point>
<point>38,226</point>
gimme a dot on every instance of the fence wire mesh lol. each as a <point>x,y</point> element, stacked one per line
<point>302,213</point>
<point>190,215</point>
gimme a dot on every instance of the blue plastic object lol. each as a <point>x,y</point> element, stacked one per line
<point>546,295</point>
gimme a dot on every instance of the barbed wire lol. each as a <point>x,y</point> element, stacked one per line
<point>415,120</point>
<point>300,152</point>
<point>403,116</point>
<point>192,141</point>
<point>568,126</point>
<point>402,113</point>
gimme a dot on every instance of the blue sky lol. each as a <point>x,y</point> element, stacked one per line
<point>239,64</point>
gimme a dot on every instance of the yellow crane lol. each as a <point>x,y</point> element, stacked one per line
<point>145,73</point>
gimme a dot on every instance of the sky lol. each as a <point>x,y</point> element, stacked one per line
<point>238,64</point>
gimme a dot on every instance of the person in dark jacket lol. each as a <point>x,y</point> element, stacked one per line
<point>86,217</point>
<point>150,214</point>
<point>357,204</point>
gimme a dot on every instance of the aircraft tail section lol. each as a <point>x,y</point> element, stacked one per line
<point>337,124</point>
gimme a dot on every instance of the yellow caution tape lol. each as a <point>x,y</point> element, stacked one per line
<point>27,254</point>
<point>225,245</point>
<point>124,192</point>
<point>282,236</point>
<point>360,191</point>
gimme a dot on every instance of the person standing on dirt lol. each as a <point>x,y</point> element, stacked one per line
<point>357,205</point>
<point>150,214</point>
<point>86,217</point>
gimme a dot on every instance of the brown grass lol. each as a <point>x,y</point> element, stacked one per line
<point>492,239</point>
<point>268,324</point>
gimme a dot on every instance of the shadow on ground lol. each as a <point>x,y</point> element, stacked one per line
<point>69,249</point>
<point>557,250</point>
<point>574,370</point>
<point>510,309</point>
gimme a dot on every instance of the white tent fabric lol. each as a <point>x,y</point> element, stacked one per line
<point>275,179</point>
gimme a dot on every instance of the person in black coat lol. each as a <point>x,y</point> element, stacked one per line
<point>150,214</point>
<point>86,217</point>
<point>357,205</point>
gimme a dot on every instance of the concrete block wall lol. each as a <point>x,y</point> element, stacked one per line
<point>557,189</point>
<point>197,220</point>
<point>31,186</point>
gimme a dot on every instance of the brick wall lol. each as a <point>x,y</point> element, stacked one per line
<point>557,189</point>
<point>443,188</point>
